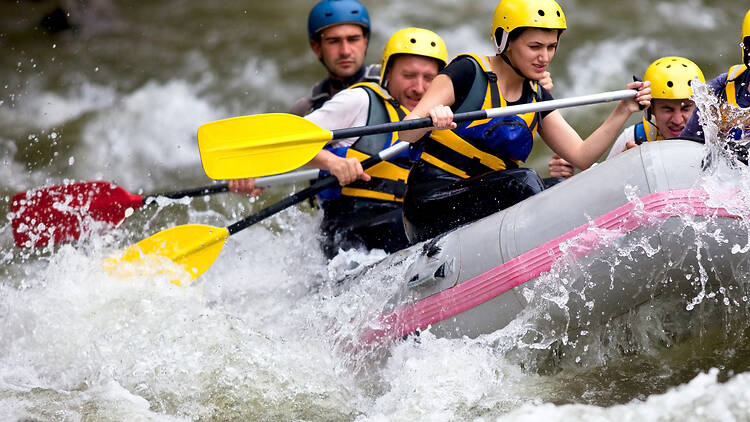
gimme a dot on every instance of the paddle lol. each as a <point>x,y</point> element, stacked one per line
<point>262,144</point>
<point>60,213</point>
<point>195,246</point>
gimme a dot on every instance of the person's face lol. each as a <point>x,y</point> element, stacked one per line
<point>532,51</point>
<point>408,78</point>
<point>342,49</point>
<point>670,116</point>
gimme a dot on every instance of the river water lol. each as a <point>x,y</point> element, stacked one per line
<point>120,99</point>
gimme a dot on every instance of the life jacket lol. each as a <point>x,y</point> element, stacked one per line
<point>646,132</point>
<point>486,145</point>
<point>388,178</point>
<point>735,73</point>
<point>324,89</point>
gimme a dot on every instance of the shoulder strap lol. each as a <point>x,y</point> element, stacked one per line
<point>735,71</point>
<point>383,109</point>
<point>372,74</point>
<point>639,133</point>
<point>484,80</point>
<point>732,76</point>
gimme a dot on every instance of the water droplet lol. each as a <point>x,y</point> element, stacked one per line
<point>71,160</point>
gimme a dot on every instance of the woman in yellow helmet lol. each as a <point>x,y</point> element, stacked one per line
<point>671,87</point>
<point>733,88</point>
<point>472,170</point>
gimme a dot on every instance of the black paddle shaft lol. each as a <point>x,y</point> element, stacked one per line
<point>206,190</point>
<point>402,125</point>
<point>322,184</point>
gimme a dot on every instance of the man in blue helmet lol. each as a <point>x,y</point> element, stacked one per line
<point>339,32</point>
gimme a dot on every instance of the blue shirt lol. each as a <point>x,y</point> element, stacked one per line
<point>717,86</point>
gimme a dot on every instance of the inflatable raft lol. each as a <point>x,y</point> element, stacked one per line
<point>617,236</point>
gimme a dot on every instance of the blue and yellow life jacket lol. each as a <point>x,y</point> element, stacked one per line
<point>736,72</point>
<point>645,131</point>
<point>486,145</point>
<point>388,178</point>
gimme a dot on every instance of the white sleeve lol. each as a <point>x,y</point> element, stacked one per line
<point>627,135</point>
<point>348,108</point>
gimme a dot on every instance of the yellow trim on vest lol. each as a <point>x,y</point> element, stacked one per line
<point>370,194</point>
<point>443,165</point>
<point>484,62</point>
<point>735,71</point>
<point>451,140</point>
<point>652,132</point>
<point>384,169</point>
<point>731,90</point>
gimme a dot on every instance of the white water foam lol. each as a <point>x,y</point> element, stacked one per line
<point>151,131</point>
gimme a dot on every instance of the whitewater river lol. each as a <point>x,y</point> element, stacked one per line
<point>259,337</point>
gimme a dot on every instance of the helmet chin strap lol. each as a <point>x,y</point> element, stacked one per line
<point>515,69</point>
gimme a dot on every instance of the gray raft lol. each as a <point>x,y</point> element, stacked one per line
<point>472,280</point>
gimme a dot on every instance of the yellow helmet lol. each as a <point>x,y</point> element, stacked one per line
<point>512,14</point>
<point>416,41</point>
<point>671,77</point>
<point>745,48</point>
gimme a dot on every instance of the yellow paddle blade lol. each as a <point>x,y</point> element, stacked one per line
<point>258,145</point>
<point>193,247</point>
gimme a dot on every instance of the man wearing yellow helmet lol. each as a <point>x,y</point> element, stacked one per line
<point>671,79</point>
<point>366,210</point>
<point>472,170</point>
<point>732,87</point>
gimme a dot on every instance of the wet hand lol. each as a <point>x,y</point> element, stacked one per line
<point>559,167</point>
<point>629,144</point>
<point>546,82</point>
<point>347,170</point>
<point>245,186</point>
<point>642,97</point>
<point>442,117</point>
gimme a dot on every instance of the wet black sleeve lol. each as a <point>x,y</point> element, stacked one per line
<point>462,72</point>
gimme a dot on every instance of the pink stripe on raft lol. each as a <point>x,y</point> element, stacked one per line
<point>529,265</point>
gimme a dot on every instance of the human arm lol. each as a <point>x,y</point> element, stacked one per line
<point>624,142</point>
<point>559,167</point>
<point>245,186</point>
<point>566,142</point>
<point>440,93</point>
<point>348,108</point>
<point>546,81</point>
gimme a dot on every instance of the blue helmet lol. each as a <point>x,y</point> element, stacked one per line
<point>334,12</point>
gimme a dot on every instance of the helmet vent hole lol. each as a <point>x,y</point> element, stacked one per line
<point>432,44</point>
<point>670,84</point>
<point>558,13</point>
<point>413,41</point>
<point>354,12</point>
<point>690,82</point>
<point>329,14</point>
<point>541,12</point>
<point>684,65</point>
